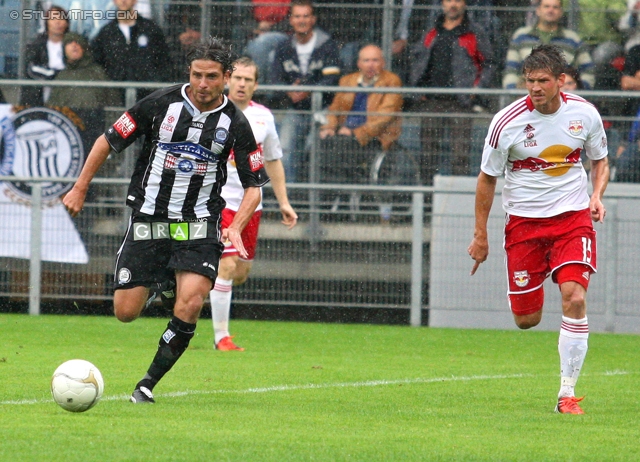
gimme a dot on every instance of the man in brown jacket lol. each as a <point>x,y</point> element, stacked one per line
<point>360,124</point>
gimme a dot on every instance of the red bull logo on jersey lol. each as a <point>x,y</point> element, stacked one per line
<point>575,127</point>
<point>554,161</point>
<point>521,278</point>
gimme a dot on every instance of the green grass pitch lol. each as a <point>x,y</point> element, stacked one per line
<point>316,392</point>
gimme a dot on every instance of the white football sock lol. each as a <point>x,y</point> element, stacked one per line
<point>572,346</point>
<point>220,298</point>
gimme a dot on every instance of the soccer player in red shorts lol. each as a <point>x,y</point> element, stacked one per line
<point>538,142</point>
<point>234,270</point>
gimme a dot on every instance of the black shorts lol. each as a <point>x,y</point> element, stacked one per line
<point>154,249</point>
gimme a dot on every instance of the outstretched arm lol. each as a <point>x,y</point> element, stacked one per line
<point>74,199</point>
<point>485,192</point>
<point>275,170</point>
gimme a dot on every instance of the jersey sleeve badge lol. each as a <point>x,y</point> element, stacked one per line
<point>125,125</point>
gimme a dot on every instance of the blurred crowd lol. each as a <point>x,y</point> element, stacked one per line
<point>436,44</point>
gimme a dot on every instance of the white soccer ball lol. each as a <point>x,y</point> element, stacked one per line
<point>77,385</point>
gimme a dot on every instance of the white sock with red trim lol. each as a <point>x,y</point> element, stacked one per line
<point>572,346</point>
<point>220,297</point>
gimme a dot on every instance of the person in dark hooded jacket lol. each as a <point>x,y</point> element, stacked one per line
<point>80,66</point>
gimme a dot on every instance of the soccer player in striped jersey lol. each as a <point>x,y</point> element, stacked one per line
<point>537,143</point>
<point>174,232</point>
<point>234,269</point>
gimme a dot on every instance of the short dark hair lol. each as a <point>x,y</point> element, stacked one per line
<point>212,49</point>
<point>575,75</point>
<point>247,62</point>
<point>308,3</point>
<point>546,57</point>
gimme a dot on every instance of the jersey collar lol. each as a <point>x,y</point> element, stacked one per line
<point>530,103</point>
<point>192,110</point>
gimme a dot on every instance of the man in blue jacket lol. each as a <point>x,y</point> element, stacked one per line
<point>310,57</point>
<point>456,53</point>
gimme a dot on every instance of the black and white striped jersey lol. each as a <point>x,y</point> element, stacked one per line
<point>182,166</point>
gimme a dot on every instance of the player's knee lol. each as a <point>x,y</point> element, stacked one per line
<point>240,277</point>
<point>125,313</point>
<point>527,307</point>
<point>129,303</point>
<point>189,308</point>
<point>528,321</point>
<point>227,268</point>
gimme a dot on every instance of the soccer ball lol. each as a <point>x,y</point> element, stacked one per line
<point>77,385</point>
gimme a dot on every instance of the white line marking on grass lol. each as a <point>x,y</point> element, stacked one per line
<point>312,386</point>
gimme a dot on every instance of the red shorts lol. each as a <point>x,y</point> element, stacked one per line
<point>538,247</point>
<point>249,234</point>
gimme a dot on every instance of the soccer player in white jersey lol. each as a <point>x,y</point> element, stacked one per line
<point>234,270</point>
<point>537,142</point>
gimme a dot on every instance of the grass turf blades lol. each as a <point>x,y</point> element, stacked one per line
<point>316,392</point>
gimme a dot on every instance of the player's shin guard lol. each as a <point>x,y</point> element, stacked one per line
<point>572,346</point>
<point>172,344</point>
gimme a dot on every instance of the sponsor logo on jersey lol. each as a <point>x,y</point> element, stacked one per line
<point>528,129</point>
<point>575,127</point>
<point>530,135</point>
<point>39,143</point>
<point>555,161</point>
<point>530,143</point>
<point>256,161</point>
<point>603,142</point>
<point>188,148</point>
<point>125,125</point>
<point>521,278</point>
<point>196,167</point>
<point>185,165</point>
<point>198,125</point>
<point>166,127</point>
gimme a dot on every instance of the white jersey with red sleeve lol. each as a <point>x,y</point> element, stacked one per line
<point>264,130</point>
<point>539,155</point>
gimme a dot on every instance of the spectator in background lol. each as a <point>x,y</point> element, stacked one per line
<point>572,80</point>
<point>627,163</point>
<point>349,141</point>
<point>547,30</point>
<point>310,57</point>
<point>44,56</point>
<point>483,15</point>
<point>80,66</point>
<point>131,48</point>
<point>455,53</point>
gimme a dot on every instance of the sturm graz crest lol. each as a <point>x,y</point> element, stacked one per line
<point>47,144</point>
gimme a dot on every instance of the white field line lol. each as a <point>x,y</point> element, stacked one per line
<point>312,386</point>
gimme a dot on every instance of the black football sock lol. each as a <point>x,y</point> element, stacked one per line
<point>172,344</point>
